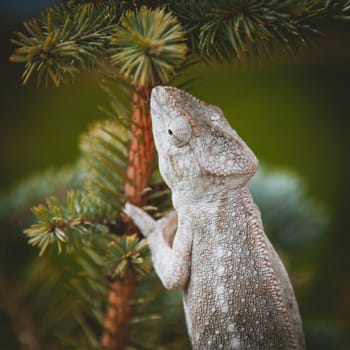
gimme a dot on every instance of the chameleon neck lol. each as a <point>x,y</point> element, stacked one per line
<point>207,193</point>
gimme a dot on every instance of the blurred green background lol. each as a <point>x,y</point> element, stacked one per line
<point>292,111</point>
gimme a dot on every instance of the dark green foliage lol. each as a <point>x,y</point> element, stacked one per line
<point>64,41</point>
<point>227,29</point>
<point>148,46</point>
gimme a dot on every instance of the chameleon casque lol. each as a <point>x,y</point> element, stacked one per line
<point>236,291</point>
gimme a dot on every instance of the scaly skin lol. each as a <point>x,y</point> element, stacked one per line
<point>237,294</point>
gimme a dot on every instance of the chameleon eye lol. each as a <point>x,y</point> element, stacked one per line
<point>179,131</point>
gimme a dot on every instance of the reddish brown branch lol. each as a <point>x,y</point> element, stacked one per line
<point>139,171</point>
<point>119,313</point>
<point>141,151</point>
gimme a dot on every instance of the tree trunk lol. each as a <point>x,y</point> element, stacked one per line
<point>139,171</point>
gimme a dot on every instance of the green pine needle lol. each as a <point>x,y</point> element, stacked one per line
<point>148,46</point>
<point>64,41</point>
<point>67,225</point>
<point>119,91</point>
<point>225,30</point>
<point>105,154</point>
<point>126,254</point>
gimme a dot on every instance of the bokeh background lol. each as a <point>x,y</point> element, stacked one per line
<point>294,112</point>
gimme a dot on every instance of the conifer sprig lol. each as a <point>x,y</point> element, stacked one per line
<point>104,151</point>
<point>64,41</point>
<point>127,254</point>
<point>66,226</point>
<point>226,29</point>
<point>95,208</point>
<point>148,45</point>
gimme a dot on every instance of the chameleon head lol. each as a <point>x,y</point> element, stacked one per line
<point>194,141</point>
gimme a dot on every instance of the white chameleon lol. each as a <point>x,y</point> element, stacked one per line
<point>236,292</point>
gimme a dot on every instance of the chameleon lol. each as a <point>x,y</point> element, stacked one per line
<point>236,291</point>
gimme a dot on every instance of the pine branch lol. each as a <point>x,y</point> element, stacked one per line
<point>139,171</point>
<point>148,45</point>
<point>228,29</point>
<point>105,154</point>
<point>67,225</point>
<point>75,284</point>
<point>119,91</point>
<point>75,287</point>
<point>93,210</point>
<point>64,41</point>
<point>81,270</point>
<point>126,255</point>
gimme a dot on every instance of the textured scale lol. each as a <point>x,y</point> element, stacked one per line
<point>236,292</point>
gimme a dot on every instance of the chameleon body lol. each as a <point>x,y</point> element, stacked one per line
<point>236,291</point>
